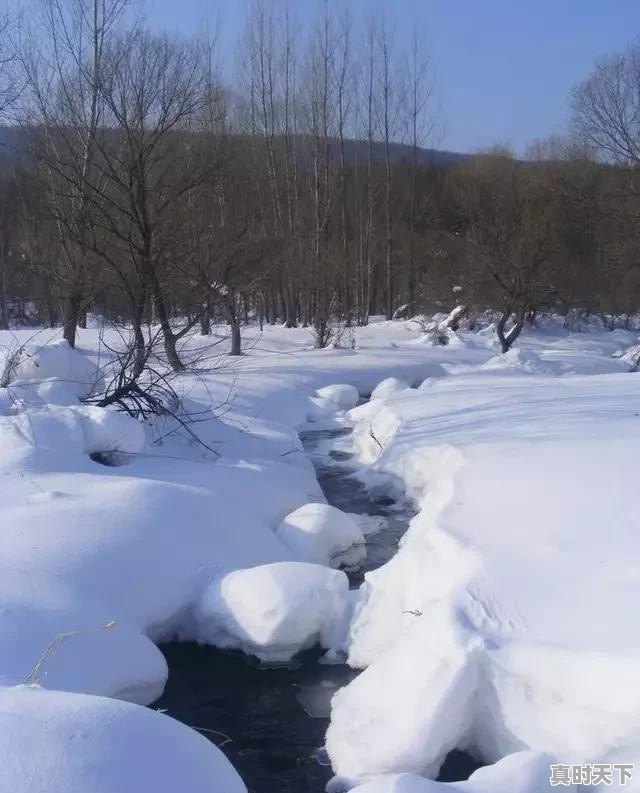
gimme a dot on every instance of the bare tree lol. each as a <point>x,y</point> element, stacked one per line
<point>387,98</point>
<point>606,107</point>
<point>62,123</point>
<point>420,125</point>
<point>509,238</point>
<point>151,160</point>
<point>11,82</point>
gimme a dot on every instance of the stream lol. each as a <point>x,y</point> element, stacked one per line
<point>270,721</point>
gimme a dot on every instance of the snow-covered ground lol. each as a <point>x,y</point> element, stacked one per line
<point>503,624</point>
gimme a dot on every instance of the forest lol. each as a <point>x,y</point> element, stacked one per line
<point>141,184</point>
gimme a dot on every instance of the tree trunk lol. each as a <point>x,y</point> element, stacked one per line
<point>507,338</point>
<point>138,335</point>
<point>50,312</point>
<point>205,319</point>
<point>234,322</point>
<point>71,314</point>
<point>388,271</point>
<point>4,308</point>
<point>291,309</point>
<point>236,339</point>
<point>169,337</point>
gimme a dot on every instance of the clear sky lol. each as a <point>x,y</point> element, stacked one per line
<point>503,67</point>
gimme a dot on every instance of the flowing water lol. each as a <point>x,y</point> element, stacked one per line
<point>271,721</point>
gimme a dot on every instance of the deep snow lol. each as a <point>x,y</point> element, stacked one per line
<point>501,624</point>
<point>69,743</point>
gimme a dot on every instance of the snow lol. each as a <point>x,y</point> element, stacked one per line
<point>517,360</point>
<point>501,625</point>
<point>345,396</point>
<point>61,371</point>
<point>274,611</point>
<point>388,387</point>
<point>111,431</point>
<point>323,534</point>
<point>521,772</point>
<point>56,742</point>
<point>439,685</point>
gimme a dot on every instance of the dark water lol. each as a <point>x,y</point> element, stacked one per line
<point>270,722</point>
<point>337,474</point>
<point>268,736</point>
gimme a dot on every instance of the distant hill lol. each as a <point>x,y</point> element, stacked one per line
<point>356,151</point>
<point>401,152</point>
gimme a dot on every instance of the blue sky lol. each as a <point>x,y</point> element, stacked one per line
<point>503,67</point>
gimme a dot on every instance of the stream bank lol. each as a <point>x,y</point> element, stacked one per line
<point>271,720</point>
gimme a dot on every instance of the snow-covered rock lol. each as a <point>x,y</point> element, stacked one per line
<point>323,534</point>
<point>56,742</point>
<point>343,395</point>
<point>273,611</point>
<point>389,387</point>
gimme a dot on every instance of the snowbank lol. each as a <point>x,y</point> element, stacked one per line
<point>522,772</point>
<point>501,622</point>
<point>72,531</point>
<point>323,534</point>
<point>425,684</point>
<point>274,611</point>
<point>54,742</point>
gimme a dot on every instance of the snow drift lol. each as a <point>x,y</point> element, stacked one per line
<point>55,742</point>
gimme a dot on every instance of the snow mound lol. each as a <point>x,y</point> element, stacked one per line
<point>343,395</point>
<point>388,387</point>
<point>521,772</point>
<point>274,611</point>
<point>79,429</point>
<point>55,742</point>
<point>74,646</point>
<point>519,360</point>
<point>323,534</point>
<point>110,431</point>
<point>56,362</point>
